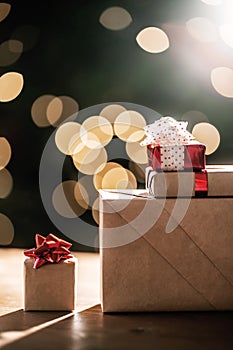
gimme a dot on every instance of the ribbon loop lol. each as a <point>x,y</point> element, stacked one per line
<point>50,249</point>
<point>167,131</point>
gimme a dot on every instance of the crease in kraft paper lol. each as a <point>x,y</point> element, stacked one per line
<point>188,278</point>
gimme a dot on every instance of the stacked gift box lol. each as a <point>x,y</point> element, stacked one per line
<point>171,149</point>
<point>164,248</point>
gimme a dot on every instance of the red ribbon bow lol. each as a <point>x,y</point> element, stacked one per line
<point>50,249</point>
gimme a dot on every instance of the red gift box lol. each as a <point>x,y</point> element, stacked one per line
<point>177,157</point>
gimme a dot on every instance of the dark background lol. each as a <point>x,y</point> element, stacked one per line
<point>68,52</point>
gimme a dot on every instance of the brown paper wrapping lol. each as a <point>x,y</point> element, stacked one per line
<point>50,287</point>
<point>188,269</point>
<point>220,182</point>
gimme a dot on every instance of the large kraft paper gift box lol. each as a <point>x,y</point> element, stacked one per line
<point>146,268</point>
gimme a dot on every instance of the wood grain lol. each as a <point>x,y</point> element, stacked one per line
<point>89,329</point>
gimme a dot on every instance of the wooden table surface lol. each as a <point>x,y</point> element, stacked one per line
<point>87,328</point>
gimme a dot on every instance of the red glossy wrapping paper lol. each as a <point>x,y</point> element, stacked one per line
<point>193,157</point>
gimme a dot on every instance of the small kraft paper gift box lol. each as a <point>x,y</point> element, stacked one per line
<point>49,275</point>
<point>165,254</point>
<point>214,181</point>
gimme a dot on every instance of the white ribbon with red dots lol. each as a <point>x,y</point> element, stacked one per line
<point>167,131</point>
<point>171,135</point>
<point>172,157</point>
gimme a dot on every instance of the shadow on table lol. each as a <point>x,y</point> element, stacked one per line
<point>20,320</point>
<point>93,330</point>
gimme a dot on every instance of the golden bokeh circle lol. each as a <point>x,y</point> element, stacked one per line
<point>54,110</point>
<point>6,183</point>
<point>6,230</point>
<point>98,177</point>
<point>81,195</point>
<point>207,134</point>
<point>62,108</point>
<point>111,112</point>
<point>89,139</point>
<point>5,152</point>
<point>136,152</point>
<point>87,155</point>
<point>99,126</point>
<point>153,40</point>
<point>94,166</point>
<point>115,18</point>
<point>130,183</point>
<point>86,182</point>
<point>64,201</point>
<point>128,126</point>
<point>11,85</point>
<point>222,81</point>
<point>39,110</point>
<point>116,178</point>
<point>67,136</point>
<point>4,10</point>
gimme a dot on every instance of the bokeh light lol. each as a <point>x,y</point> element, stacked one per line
<point>5,152</point>
<point>136,152</point>
<point>116,178</point>
<point>100,129</point>
<point>111,112</point>
<point>115,18</point>
<point>194,117</point>
<point>66,136</point>
<point>129,125</point>
<point>6,230</point>
<point>65,202</point>
<point>153,40</point>
<point>226,33</point>
<point>212,2</point>
<point>87,155</point>
<point>99,159</point>
<point>39,110</point>
<point>86,182</point>
<point>81,195</point>
<point>6,183</point>
<point>208,134</point>
<point>54,110</point>
<point>60,109</point>
<point>98,177</point>
<point>202,29</point>
<point>4,10</point>
<point>130,183</point>
<point>222,81</point>
<point>11,85</point>
<point>10,51</point>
